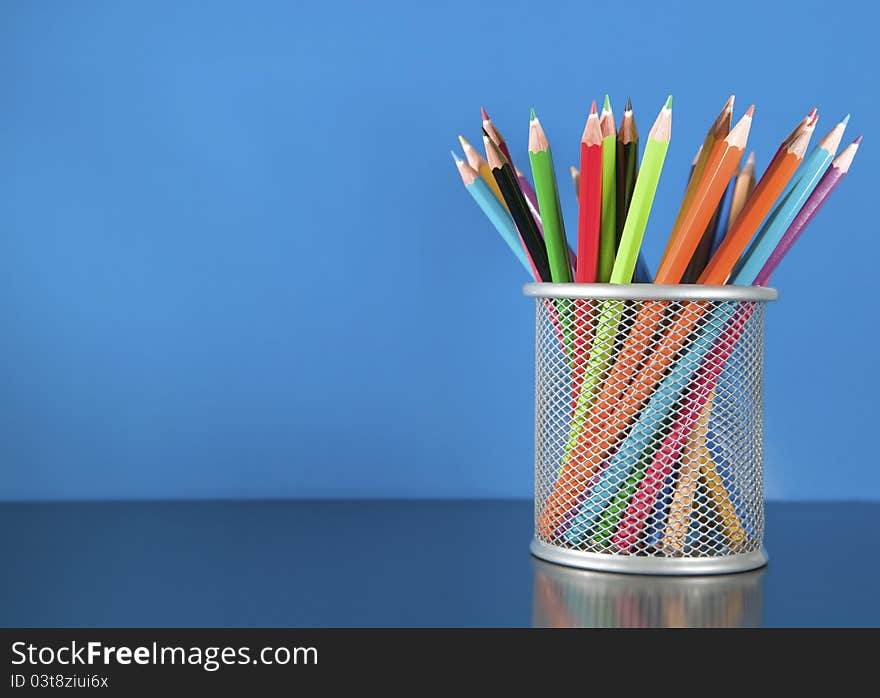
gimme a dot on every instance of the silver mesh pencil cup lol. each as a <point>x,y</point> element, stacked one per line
<point>648,427</point>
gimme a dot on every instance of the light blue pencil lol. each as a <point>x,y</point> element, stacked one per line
<point>809,174</point>
<point>493,209</point>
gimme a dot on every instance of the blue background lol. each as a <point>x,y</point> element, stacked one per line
<point>236,260</point>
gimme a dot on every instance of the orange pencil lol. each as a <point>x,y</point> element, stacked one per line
<point>758,205</point>
<point>717,132</point>
<point>721,165</point>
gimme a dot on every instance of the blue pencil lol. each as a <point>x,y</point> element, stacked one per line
<point>809,174</point>
<point>493,209</point>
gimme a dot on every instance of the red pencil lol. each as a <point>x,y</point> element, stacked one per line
<point>590,200</point>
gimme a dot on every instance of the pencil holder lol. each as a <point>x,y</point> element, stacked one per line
<point>648,427</point>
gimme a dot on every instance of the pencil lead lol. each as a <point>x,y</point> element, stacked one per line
<point>668,104</point>
<point>606,105</point>
<point>532,116</point>
<point>484,114</point>
<point>464,143</point>
<point>845,120</point>
<point>858,140</point>
<point>750,111</point>
<point>813,113</point>
<point>629,105</point>
<point>574,170</point>
<point>593,108</point>
<point>455,157</point>
<point>729,104</point>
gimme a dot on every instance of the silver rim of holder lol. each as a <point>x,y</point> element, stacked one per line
<point>602,562</point>
<point>654,292</point>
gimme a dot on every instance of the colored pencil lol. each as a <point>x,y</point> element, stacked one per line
<point>743,187</point>
<point>524,184</point>
<point>519,210</point>
<point>608,235</point>
<point>548,200</point>
<point>829,182</point>
<point>719,168</point>
<point>590,200</point>
<point>704,246</point>
<point>495,212</point>
<point>781,168</point>
<point>627,165</point>
<point>478,162</point>
<point>774,228</point>
<point>575,474</point>
<point>643,196</point>
<point>576,180</point>
<point>718,131</point>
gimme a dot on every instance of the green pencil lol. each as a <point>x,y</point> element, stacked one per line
<point>548,202</point>
<point>643,196</point>
<point>610,311</point>
<point>608,234</point>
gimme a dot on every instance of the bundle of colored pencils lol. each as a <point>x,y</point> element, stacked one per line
<point>615,195</point>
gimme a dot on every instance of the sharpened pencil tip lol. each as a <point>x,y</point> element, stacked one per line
<point>593,107</point>
<point>464,143</point>
<point>668,104</point>
<point>532,114</point>
<point>751,159</point>
<point>813,113</point>
<point>857,140</point>
<point>606,104</point>
<point>629,105</point>
<point>574,170</point>
<point>750,112</point>
<point>455,157</point>
<point>845,120</point>
<point>484,114</point>
<point>729,104</point>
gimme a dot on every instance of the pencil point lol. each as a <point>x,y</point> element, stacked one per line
<point>668,104</point>
<point>574,170</point>
<point>532,114</point>
<point>845,120</point>
<point>730,101</point>
<point>629,105</point>
<point>606,105</point>
<point>464,143</point>
<point>593,107</point>
<point>484,114</point>
<point>750,111</point>
<point>813,113</point>
<point>751,159</point>
<point>857,140</point>
<point>455,157</point>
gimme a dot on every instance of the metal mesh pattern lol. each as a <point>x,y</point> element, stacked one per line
<point>648,426</point>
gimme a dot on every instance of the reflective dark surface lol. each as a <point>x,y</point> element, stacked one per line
<point>399,563</point>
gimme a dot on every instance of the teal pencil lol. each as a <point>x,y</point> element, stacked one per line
<point>809,174</point>
<point>493,209</point>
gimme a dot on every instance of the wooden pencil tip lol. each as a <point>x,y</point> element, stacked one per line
<point>593,108</point>
<point>464,143</point>
<point>857,141</point>
<point>728,105</point>
<point>845,120</point>
<point>750,112</point>
<point>606,104</point>
<point>532,114</point>
<point>629,105</point>
<point>668,104</point>
<point>750,160</point>
<point>484,114</point>
<point>813,113</point>
<point>455,157</point>
<point>575,173</point>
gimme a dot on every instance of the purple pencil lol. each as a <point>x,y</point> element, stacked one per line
<point>832,177</point>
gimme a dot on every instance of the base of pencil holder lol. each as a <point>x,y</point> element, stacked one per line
<point>670,566</point>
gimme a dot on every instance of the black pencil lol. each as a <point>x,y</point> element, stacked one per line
<point>519,209</point>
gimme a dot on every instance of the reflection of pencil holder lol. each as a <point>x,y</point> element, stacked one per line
<point>568,598</point>
<point>648,427</point>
